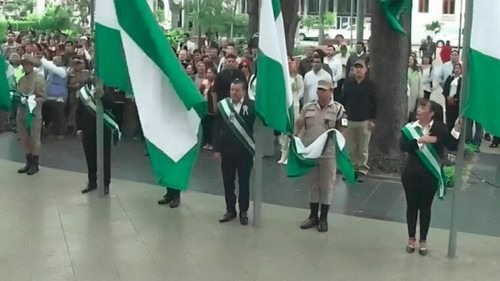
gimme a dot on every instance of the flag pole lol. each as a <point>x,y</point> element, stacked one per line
<point>257,183</point>
<point>99,118</point>
<point>459,168</point>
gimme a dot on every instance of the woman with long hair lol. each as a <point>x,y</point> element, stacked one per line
<point>451,92</point>
<point>424,140</point>
<point>415,90</point>
<point>201,72</point>
<point>246,67</point>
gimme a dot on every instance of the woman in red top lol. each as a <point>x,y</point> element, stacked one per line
<point>446,52</point>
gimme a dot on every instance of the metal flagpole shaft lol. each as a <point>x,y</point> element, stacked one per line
<point>100,139</point>
<point>257,183</point>
<point>459,168</point>
<point>351,18</point>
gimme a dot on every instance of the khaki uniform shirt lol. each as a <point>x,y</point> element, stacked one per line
<point>314,121</point>
<point>33,84</point>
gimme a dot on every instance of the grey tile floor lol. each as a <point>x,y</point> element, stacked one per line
<point>49,231</point>
<point>478,204</point>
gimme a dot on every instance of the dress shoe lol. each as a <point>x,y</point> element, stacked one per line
<point>227,217</point>
<point>309,223</point>
<point>244,218</point>
<point>89,189</point>
<point>494,145</point>
<point>487,137</point>
<point>176,201</point>
<point>323,225</point>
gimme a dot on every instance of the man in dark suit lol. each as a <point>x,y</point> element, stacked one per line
<point>234,146</point>
<point>86,127</point>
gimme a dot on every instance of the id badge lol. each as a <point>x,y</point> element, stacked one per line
<point>343,122</point>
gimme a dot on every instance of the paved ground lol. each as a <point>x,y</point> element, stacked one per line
<point>51,232</point>
<point>478,204</point>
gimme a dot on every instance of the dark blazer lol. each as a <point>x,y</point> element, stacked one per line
<point>85,120</point>
<point>447,86</point>
<point>224,140</point>
<point>414,165</point>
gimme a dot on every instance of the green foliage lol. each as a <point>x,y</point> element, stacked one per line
<point>18,25</point>
<point>174,37</point>
<point>313,22</point>
<point>19,8</point>
<point>434,27</point>
<point>160,15</point>
<point>449,174</point>
<point>212,15</point>
<point>57,17</point>
<point>3,31</point>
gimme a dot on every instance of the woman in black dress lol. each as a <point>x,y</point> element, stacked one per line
<point>420,182</point>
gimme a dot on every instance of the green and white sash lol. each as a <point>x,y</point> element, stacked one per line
<point>87,97</point>
<point>427,155</point>
<point>237,124</point>
<point>29,102</point>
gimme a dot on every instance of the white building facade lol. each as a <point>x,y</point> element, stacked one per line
<point>446,12</point>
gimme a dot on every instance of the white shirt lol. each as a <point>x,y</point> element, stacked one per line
<point>445,71</point>
<point>237,106</point>
<point>60,71</point>
<point>311,84</point>
<point>336,68</point>
<point>343,61</point>
<point>425,131</point>
<point>454,86</point>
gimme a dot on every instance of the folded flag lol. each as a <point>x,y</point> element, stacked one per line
<point>302,158</point>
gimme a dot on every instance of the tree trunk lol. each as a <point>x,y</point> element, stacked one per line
<point>290,9</point>
<point>389,53</point>
<point>253,14</point>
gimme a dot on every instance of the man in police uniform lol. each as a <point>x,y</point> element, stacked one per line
<point>234,148</point>
<point>31,87</point>
<point>315,118</point>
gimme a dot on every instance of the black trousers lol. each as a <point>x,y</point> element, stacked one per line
<point>451,116</point>
<point>231,165</point>
<point>90,148</point>
<point>207,123</point>
<point>54,115</point>
<point>420,189</point>
<point>338,90</point>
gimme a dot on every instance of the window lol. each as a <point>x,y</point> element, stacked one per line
<point>313,7</point>
<point>423,6</point>
<point>448,6</point>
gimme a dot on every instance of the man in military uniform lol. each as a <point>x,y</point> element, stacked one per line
<point>31,88</point>
<point>315,119</point>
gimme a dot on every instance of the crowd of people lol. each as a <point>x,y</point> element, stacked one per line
<point>331,88</point>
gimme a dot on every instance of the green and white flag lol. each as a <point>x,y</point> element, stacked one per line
<point>133,54</point>
<point>302,158</point>
<point>483,100</point>
<point>5,102</point>
<point>273,99</point>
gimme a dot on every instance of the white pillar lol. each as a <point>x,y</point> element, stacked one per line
<point>40,7</point>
